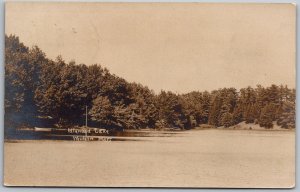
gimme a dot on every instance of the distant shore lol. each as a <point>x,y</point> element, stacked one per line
<point>245,126</point>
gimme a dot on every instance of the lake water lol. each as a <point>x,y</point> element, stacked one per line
<point>90,134</point>
<point>196,158</point>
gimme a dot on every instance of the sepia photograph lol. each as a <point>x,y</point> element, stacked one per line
<point>163,95</point>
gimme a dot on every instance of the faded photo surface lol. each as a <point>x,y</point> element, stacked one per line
<point>185,95</point>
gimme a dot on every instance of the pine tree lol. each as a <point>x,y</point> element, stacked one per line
<point>251,114</point>
<point>205,108</point>
<point>215,112</point>
<point>237,115</point>
<point>266,119</point>
<point>102,112</point>
<point>287,116</point>
<point>227,119</point>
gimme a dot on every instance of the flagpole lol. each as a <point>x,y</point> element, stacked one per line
<point>86,120</point>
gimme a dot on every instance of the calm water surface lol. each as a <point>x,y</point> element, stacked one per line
<point>197,158</point>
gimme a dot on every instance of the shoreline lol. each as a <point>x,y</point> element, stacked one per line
<point>133,138</point>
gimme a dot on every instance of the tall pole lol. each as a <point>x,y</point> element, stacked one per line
<point>86,120</point>
<point>86,116</point>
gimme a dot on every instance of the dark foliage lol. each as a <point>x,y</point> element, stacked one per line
<point>37,89</point>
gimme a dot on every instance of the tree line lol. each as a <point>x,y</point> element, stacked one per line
<point>44,92</point>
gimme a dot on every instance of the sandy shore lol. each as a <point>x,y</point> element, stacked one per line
<point>198,158</point>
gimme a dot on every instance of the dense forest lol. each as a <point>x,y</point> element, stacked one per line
<point>43,92</point>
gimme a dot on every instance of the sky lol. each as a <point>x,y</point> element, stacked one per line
<point>180,47</point>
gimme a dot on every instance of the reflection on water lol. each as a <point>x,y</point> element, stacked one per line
<point>64,134</point>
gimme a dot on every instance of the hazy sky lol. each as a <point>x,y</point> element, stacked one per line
<point>177,47</point>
